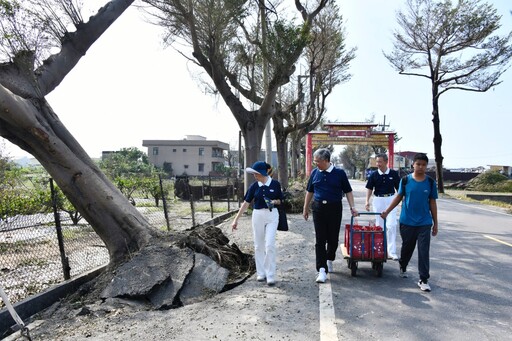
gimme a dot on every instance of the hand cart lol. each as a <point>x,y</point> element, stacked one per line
<point>365,243</point>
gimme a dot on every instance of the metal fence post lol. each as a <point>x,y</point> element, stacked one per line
<point>228,190</point>
<point>211,195</point>
<point>164,202</point>
<point>64,260</point>
<point>191,197</point>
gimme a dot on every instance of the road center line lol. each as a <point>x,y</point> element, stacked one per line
<point>497,240</point>
<point>328,330</point>
<point>475,207</point>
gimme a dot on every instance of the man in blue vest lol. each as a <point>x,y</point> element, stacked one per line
<point>327,185</point>
<point>383,183</point>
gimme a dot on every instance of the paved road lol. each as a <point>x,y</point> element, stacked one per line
<point>471,279</point>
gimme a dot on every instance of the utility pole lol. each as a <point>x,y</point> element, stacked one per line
<point>384,125</point>
<point>268,128</point>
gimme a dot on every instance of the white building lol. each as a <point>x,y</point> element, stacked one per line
<point>194,155</point>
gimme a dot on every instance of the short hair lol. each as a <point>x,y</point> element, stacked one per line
<point>322,154</point>
<point>420,156</point>
<point>270,170</point>
<point>382,155</point>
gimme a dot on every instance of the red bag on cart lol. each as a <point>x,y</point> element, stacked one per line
<point>347,233</point>
<point>371,246</point>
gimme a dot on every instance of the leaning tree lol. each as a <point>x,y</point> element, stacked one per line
<point>30,30</point>
<point>453,46</point>
<point>147,262</point>
<point>247,49</point>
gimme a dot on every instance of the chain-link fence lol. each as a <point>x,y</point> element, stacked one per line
<point>41,249</point>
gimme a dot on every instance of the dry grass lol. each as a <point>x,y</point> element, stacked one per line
<point>462,195</point>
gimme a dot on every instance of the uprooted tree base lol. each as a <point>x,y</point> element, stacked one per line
<point>182,268</point>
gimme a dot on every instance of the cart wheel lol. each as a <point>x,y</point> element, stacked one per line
<point>379,267</point>
<point>353,269</point>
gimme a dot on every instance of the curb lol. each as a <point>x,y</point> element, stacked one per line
<point>34,304</point>
<point>216,220</point>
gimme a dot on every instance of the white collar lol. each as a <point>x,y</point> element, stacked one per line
<point>267,183</point>
<point>386,172</point>
<point>328,170</point>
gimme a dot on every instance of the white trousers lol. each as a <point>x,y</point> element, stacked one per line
<point>379,205</point>
<point>264,228</point>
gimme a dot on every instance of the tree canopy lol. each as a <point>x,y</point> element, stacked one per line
<point>247,50</point>
<point>454,45</point>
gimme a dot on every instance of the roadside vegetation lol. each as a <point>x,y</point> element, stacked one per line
<point>488,182</point>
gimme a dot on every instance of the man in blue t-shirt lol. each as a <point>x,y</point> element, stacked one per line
<point>417,218</point>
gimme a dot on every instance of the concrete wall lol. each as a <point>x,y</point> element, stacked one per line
<point>506,198</point>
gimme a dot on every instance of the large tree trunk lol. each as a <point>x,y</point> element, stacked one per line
<point>252,127</point>
<point>438,141</point>
<point>282,160</point>
<point>297,169</point>
<point>27,120</point>
<point>32,125</point>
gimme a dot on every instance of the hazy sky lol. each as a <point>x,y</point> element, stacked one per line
<point>128,88</point>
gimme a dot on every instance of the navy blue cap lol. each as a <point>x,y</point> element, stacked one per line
<point>259,167</point>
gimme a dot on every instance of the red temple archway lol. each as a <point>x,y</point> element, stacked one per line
<point>349,134</point>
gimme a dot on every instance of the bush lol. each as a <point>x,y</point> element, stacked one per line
<point>490,182</point>
<point>294,196</point>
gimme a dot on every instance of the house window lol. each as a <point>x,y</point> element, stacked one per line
<point>184,150</point>
<point>201,151</point>
<point>186,166</point>
<point>217,153</point>
<point>168,167</point>
<point>200,167</point>
<point>174,150</point>
<point>155,150</point>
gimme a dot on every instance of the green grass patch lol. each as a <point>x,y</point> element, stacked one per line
<point>33,262</point>
<point>462,195</point>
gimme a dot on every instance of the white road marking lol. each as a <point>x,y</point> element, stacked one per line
<point>497,240</point>
<point>474,206</point>
<point>328,330</point>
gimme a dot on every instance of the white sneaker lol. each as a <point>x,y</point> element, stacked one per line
<point>322,276</point>
<point>403,273</point>
<point>423,286</point>
<point>261,278</point>
<point>330,267</point>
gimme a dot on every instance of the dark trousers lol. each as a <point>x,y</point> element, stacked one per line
<point>412,235</point>
<point>327,221</point>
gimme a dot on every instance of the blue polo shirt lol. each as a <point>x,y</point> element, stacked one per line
<point>257,191</point>
<point>383,183</point>
<point>416,202</point>
<point>328,185</point>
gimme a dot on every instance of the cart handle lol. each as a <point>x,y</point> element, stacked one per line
<point>367,213</point>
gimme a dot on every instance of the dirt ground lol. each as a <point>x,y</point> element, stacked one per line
<point>251,311</point>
